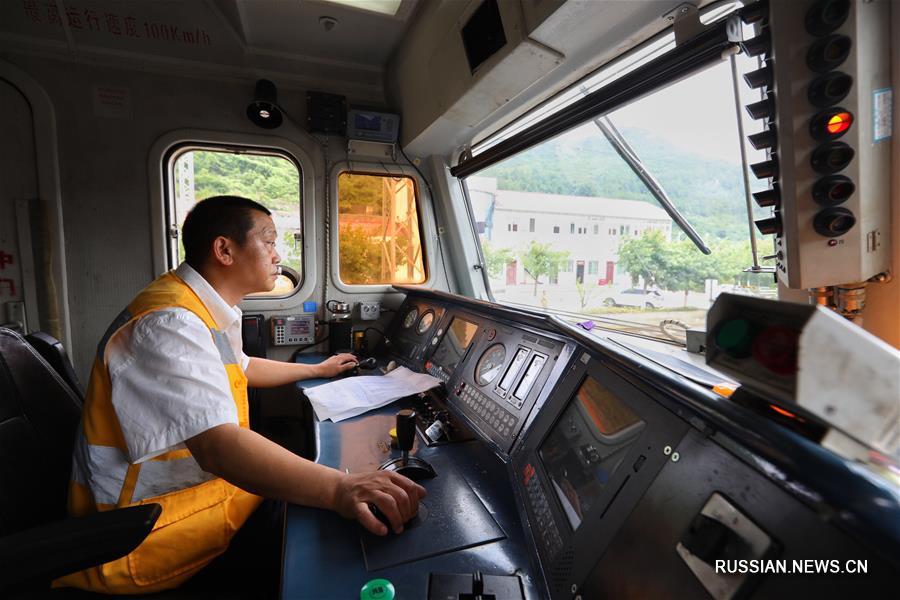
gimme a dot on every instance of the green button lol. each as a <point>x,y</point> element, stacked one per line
<point>377,589</point>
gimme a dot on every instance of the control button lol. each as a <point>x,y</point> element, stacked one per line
<point>639,463</point>
<point>377,589</point>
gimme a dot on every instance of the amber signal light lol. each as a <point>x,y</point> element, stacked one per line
<point>830,124</point>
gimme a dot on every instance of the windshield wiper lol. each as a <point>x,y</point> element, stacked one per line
<point>634,162</point>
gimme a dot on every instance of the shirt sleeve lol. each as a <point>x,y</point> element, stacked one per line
<point>168,382</point>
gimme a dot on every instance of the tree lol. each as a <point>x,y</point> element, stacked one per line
<point>585,290</point>
<point>496,259</point>
<point>541,259</point>
<point>684,268</point>
<point>644,257</point>
<point>358,255</point>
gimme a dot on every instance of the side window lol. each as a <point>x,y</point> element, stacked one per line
<point>378,228</point>
<point>272,179</point>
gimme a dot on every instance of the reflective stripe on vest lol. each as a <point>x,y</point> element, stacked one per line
<point>200,511</point>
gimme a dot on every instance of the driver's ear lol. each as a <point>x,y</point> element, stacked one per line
<point>222,251</point>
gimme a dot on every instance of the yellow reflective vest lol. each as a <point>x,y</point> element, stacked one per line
<point>200,512</point>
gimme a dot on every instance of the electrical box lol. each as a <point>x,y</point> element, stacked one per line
<point>293,330</point>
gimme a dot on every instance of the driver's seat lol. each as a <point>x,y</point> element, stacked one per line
<point>39,416</point>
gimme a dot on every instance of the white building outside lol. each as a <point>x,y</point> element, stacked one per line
<point>590,229</point>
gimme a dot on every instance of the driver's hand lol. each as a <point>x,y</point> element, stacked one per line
<point>337,364</point>
<point>395,495</point>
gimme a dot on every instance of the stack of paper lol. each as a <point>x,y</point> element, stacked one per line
<point>352,396</point>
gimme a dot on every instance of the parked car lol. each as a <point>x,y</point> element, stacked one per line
<point>637,297</point>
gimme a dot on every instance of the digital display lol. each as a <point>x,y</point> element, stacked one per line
<point>586,447</point>
<point>454,344</point>
<point>367,122</point>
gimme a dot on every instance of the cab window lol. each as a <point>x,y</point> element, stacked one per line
<point>618,253</point>
<point>270,178</point>
<point>379,230</point>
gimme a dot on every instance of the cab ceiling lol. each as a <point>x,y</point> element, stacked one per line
<point>290,42</point>
<point>283,40</point>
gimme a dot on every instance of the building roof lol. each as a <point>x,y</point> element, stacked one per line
<point>558,204</point>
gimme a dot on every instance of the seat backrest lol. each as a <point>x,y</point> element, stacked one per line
<point>39,415</point>
<point>54,353</point>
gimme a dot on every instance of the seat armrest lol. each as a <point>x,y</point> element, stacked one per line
<point>55,549</point>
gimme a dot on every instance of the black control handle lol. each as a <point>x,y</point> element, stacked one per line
<point>406,429</point>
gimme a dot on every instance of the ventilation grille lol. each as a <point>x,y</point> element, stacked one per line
<point>562,570</point>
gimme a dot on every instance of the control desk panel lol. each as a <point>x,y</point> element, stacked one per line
<point>623,480</point>
<point>495,372</point>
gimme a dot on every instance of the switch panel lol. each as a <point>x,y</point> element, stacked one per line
<point>722,532</point>
<point>292,330</point>
<point>369,311</point>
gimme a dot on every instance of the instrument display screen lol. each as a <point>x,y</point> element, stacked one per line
<point>586,447</point>
<point>454,344</point>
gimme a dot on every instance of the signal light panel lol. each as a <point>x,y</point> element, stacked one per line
<point>823,63</point>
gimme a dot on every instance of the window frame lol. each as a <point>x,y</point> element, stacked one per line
<point>161,161</point>
<point>425,215</point>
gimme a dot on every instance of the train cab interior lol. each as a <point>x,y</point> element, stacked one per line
<point>619,276</point>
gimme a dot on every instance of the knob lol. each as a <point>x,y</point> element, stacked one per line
<point>406,429</point>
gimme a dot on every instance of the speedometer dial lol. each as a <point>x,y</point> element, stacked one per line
<point>410,318</point>
<point>425,322</point>
<point>490,364</point>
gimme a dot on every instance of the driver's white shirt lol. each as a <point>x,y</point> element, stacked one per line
<point>168,380</point>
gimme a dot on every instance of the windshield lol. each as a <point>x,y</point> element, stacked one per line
<point>568,226</point>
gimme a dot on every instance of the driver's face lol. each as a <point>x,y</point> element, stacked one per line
<point>257,259</point>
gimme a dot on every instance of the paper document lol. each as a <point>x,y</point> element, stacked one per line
<point>353,396</point>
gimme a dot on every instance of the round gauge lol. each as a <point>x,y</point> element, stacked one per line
<point>490,364</point>
<point>425,322</point>
<point>410,318</point>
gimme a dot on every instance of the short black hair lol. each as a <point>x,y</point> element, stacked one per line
<point>229,216</point>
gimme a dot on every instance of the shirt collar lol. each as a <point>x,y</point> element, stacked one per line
<point>224,315</point>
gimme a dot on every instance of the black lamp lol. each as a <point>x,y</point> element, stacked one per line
<point>264,109</point>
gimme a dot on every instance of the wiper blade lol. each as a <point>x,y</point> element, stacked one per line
<point>624,149</point>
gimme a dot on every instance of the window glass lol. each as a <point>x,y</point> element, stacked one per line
<point>378,229</point>
<point>270,179</point>
<point>686,136</point>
